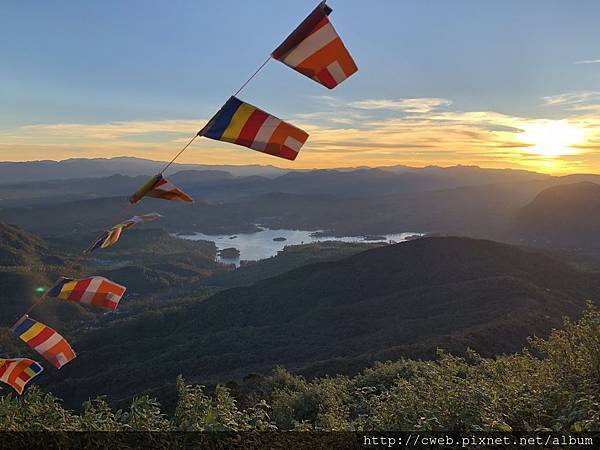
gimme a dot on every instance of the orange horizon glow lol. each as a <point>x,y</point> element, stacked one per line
<point>372,133</point>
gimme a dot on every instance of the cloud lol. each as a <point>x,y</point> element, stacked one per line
<point>339,117</point>
<point>416,131</point>
<point>572,98</point>
<point>588,61</point>
<point>409,105</point>
<point>112,130</point>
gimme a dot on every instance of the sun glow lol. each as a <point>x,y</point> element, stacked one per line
<point>551,139</point>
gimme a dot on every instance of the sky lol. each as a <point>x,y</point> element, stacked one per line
<point>497,84</point>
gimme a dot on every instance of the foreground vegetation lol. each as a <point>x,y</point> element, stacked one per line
<point>553,386</point>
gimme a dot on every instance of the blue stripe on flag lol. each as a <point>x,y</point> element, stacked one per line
<point>26,325</point>
<point>100,241</point>
<point>58,287</point>
<point>223,119</point>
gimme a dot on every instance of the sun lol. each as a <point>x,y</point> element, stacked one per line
<point>551,138</point>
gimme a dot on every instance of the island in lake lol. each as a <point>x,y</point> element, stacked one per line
<point>229,253</point>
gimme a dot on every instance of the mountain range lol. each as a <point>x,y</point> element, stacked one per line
<point>462,199</point>
<point>16,172</point>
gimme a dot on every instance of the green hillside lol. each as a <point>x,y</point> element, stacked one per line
<point>554,387</point>
<point>26,265</point>
<point>337,317</point>
<point>146,261</point>
<point>563,217</point>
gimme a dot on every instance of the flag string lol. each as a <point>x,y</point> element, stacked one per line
<point>121,214</point>
<point>82,257</point>
<point>252,76</point>
<point>241,88</point>
<point>179,154</point>
<point>338,66</point>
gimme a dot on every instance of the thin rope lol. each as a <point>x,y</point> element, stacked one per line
<point>203,128</point>
<point>178,154</point>
<point>121,213</point>
<point>252,76</point>
<point>83,256</point>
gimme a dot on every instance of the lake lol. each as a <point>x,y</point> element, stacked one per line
<point>261,245</point>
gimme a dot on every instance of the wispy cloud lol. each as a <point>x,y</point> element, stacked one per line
<point>588,61</point>
<point>572,98</point>
<point>417,131</point>
<point>112,130</point>
<point>409,105</point>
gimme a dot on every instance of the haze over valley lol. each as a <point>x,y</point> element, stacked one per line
<point>317,308</point>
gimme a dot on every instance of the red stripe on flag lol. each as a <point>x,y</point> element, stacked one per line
<point>160,183</point>
<point>318,26</point>
<point>325,77</point>
<point>79,290</point>
<point>44,335</point>
<point>24,376</point>
<point>287,153</point>
<point>302,31</point>
<point>14,374</point>
<point>251,127</point>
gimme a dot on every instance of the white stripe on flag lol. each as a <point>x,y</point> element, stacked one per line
<point>265,132</point>
<point>62,359</point>
<point>167,187</point>
<point>336,72</point>
<point>48,343</point>
<point>292,143</point>
<point>311,45</point>
<point>112,299</point>
<point>91,290</point>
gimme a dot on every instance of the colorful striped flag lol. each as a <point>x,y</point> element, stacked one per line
<point>18,372</point>
<point>97,291</point>
<point>45,341</point>
<point>109,237</point>
<point>159,187</point>
<point>315,49</point>
<point>243,124</point>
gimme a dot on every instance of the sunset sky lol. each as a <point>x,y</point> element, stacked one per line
<point>497,84</point>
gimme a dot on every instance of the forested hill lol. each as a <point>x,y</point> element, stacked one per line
<point>25,263</point>
<point>17,247</point>
<point>148,261</point>
<point>338,316</point>
<point>565,216</point>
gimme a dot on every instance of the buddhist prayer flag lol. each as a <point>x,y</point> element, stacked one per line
<point>109,237</point>
<point>315,49</point>
<point>45,341</point>
<point>159,187</point>
<point>243,124</point>
<point>96,291</point>
<point>18,372</point>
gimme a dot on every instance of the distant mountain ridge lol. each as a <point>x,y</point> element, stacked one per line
<point>459,200</point>
<point>19,172</point>
<point>225,183</point>
<point>14,172</point>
